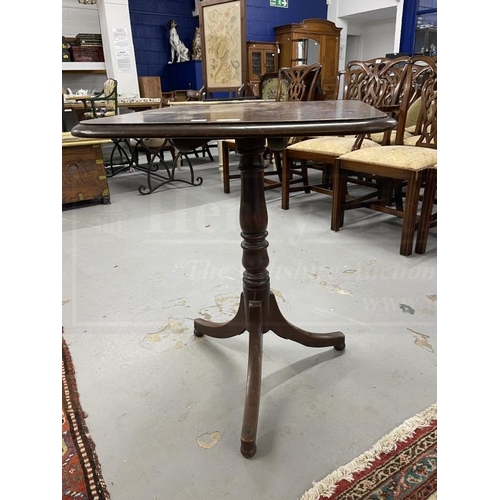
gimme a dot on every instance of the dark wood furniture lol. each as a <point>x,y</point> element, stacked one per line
<point>251,123</point>
<point>414,164</point>
<point>379,82</point>
<point>262,58</point>
<point>312,40</point>
<point>299,83</point>
<point>150,87</point>
<point>83,174</point>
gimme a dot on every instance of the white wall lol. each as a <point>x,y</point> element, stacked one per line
<point>79,18</point>
<point>375,23</point>
<point>377,39</point>
<point>350,7</point>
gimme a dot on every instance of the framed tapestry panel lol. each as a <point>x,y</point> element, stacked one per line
<point>223,35</point>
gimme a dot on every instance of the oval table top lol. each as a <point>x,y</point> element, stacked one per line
<point>239,119</point>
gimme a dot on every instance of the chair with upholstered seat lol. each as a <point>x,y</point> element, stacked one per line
<point>298,83</point>
<point>421,67</point>
<point>378,82</point>
<point>415,165</point>
<point>268,89</point>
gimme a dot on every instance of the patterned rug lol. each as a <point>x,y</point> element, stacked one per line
<point>81,472</point>
<point>401,466</point>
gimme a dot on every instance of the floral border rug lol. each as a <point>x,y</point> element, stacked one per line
<point>400,466</point>
<point>81,471</point>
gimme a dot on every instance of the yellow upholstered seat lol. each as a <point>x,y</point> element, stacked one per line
<point>405,157</point>
<point>379,136</point>
<point>330,145</point>
<point>393,167</point>
<point>410,125</point>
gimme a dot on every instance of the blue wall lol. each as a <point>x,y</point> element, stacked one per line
<point>149,18</point>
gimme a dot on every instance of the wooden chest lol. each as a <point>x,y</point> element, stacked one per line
<point>83,174</point>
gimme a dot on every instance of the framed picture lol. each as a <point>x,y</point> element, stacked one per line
<point>223,39</point>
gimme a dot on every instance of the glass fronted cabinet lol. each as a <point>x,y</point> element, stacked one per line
<point>262,58</point>
<point>419,29</point>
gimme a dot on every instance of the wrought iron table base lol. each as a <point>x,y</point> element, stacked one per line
<point>151,168</point>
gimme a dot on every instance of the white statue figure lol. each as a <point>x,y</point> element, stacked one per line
<point>176,45</point>
<point>197,45</point>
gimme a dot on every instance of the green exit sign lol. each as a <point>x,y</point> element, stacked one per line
<point>279,3</point>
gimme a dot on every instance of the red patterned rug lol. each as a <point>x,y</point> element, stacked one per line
<point>81,472</point>
<point>401,466</point>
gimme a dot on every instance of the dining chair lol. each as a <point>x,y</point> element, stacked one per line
<point>268,89</point>
<point>407,131</point>
<point>297,83</point>
<point>416,165</point>
<point>379,82</point>
<point>150,86</point>
<point>421,68</point>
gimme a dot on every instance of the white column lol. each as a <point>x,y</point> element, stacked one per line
<point>399,24</point>
<point>118,45</point>
<point>332,15</point>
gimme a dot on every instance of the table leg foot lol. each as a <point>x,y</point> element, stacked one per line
<point>248,450</point>
<point>231,328</point>
<point>248,447</point>
<point>281,327</point>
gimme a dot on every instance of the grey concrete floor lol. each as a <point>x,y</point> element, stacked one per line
<point>165,408</point>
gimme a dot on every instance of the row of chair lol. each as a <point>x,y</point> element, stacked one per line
<point>392,167</point>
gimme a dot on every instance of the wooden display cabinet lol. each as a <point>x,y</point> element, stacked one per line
<point>262,58</point>
<point>312,40</point>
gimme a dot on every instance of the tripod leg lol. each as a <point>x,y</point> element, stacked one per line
<point>231,328</point>
<point>281,327</point>
<point>254,376</point>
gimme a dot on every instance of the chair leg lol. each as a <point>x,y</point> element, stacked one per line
<point>206,150</point>
<point>410,214</point>
<point>398,194</point>
<point>326,174</point>
<point>305,175</point>
<point>426,211</point>
<point>285,182</point>
<point>225,167</point>
<point>339,193</point>
<point>277,159</point>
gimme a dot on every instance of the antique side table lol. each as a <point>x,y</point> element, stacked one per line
<point>250,123</point>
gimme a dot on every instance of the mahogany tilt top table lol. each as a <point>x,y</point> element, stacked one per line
<point>250,123</point>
